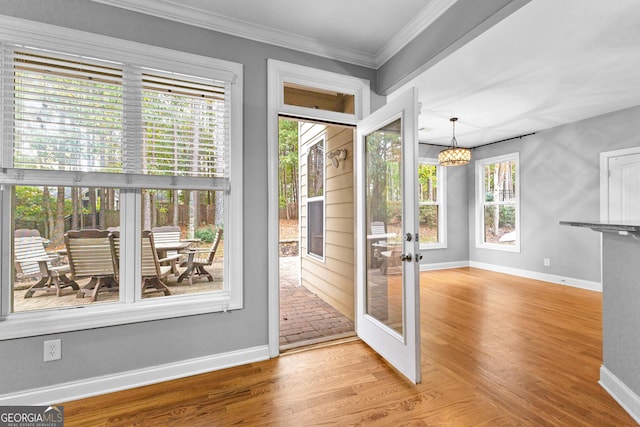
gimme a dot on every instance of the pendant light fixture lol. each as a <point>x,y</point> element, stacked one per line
<point>454,156</point>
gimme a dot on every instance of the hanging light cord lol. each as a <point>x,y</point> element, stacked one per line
<point>454,141</point>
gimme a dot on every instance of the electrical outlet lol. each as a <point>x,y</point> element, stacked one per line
<point>52,350</point>
<point>546,262</point>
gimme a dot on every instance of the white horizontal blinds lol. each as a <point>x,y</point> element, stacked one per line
<point>68,112</point>
<point>6,103</point>
<point>186,125</point>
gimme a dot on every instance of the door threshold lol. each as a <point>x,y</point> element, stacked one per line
<point>311,344</point>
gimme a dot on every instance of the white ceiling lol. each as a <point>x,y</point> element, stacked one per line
<point>547,64</point>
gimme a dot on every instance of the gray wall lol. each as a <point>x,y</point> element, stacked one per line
<point>620,314</point>
<point>457,214</point>
<point>559,180</point>
<point>116,349</point>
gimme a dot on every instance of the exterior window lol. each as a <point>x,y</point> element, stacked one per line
<point>431,204</point>
<point>99,154</point>
<point>498,203</point>
<point>315,199</point>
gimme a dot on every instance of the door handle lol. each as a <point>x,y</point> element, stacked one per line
<point>405,257</point>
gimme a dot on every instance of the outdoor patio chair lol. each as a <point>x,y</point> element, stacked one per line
<point>33,261</point>
<point>168,234</point>
<point>92,254</point>
<point>152,271</point>
<point>378,245</point>
<point>198,259</point>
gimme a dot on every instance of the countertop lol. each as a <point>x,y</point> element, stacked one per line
<point>630,226</point>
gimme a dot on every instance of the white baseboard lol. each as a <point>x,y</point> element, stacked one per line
<point>552,278</point>
<point>66,392</point>
<point>629,401</point>
<point>443,265</point>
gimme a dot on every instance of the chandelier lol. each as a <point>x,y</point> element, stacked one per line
<point>454,155</point>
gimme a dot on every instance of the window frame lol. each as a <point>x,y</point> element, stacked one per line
<point>480,202</point>
<point>319,140</point>
<point>441,202</point>
<point>130,309</point>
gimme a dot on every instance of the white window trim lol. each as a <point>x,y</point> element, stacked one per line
<point>23,324</point>
<point>318,79</point>
<point>318,140</point>
<point>442,205</point>
<point>479,203</point>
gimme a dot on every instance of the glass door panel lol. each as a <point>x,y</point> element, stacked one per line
<point>383,183</point>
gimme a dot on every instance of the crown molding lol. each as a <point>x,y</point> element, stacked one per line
<point>174,11</point>
<point>427,16</point>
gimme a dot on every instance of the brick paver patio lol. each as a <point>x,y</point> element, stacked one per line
<point>304,318</point>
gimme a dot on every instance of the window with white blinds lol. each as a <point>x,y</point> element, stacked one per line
<point>99,132</point>
<point>185,126</point>
<point>81,114</point>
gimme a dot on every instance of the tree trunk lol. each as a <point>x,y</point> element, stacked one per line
<point>176,206</point>
<point>219,215</point>
<point>74,208</point>
<point>49,222</point>
<point>146,208</point>
<point>103,210</point>
<point>92,208</point>
<point>57,239</point>
<point>153,210</point>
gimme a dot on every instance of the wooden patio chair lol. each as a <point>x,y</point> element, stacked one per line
<point>378,245</point>
<point>92,254</point>
<point>33,261</point>
<point>152,271</point>
<point>198,259</point>
<point>168,234</point>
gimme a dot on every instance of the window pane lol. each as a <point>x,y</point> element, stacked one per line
<point>428,183</point>
<point>47,275</point>
<point>68,113</point>
<point>428,224</point>
<point>185,127</point>
<point>186,228</point>
<point>315,221</point>
<point>500,182</point>
<point>319,99</point>
<point>499,224</point>
<point>383,186</point>
<point>315,170</point>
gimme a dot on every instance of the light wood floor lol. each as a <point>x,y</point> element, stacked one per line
<point>497,350</point>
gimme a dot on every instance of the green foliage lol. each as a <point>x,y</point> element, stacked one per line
<point>206,233</point>
<point>29,204</point>
<point>428,215</point>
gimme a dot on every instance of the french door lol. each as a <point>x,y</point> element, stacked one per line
<point>388,248</point>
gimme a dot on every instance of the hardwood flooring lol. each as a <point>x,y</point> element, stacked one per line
<point>497,350</point>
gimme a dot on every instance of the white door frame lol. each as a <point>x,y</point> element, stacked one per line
<point>278,73</point>
<point>604,177</point>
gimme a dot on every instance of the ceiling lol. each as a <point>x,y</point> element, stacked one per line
<point>547,64</point>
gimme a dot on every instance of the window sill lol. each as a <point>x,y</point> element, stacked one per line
<point>503,248</point>
<point>27,324</point>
